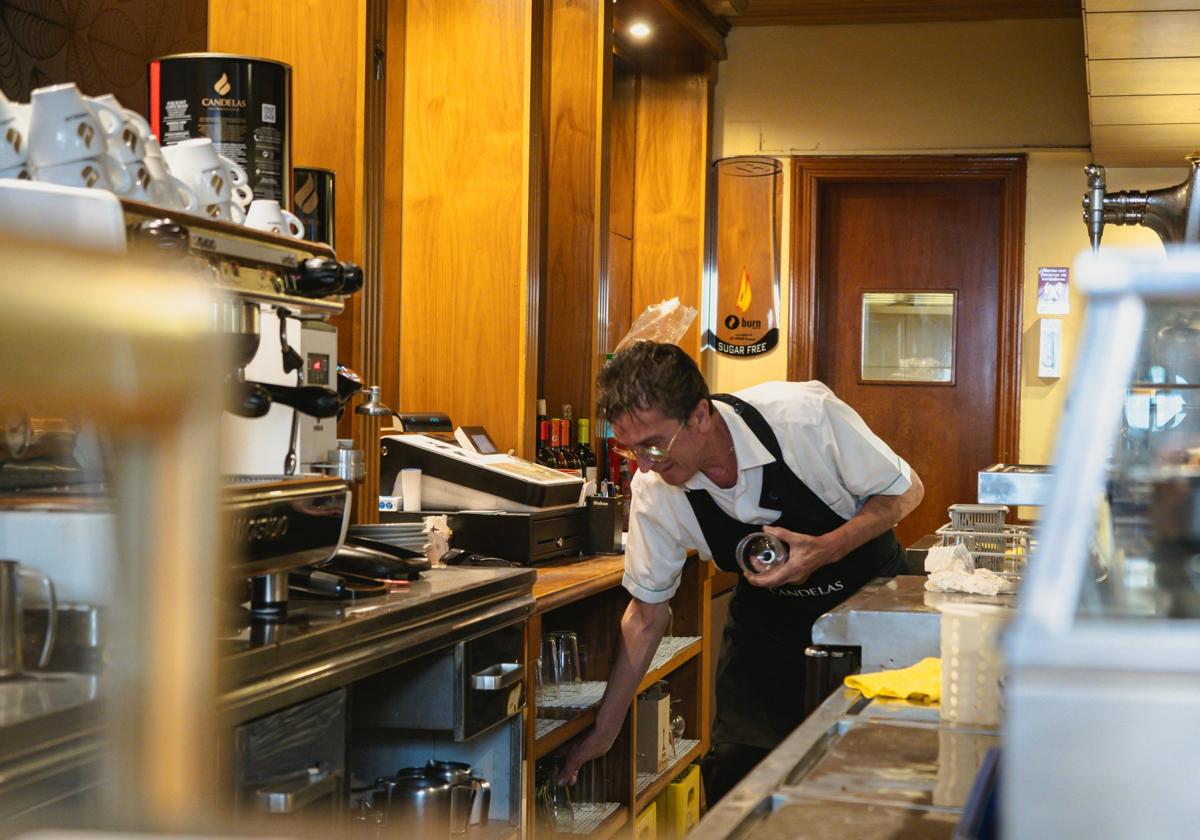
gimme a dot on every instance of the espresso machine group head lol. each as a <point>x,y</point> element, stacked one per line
<point>1172,212</point>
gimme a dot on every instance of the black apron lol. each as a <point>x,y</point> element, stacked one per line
<point>760,673</point>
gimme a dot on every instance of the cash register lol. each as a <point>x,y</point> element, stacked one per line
<point>498,504</point>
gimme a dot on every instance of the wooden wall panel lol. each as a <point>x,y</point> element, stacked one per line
<point>671,165</point>
<point>620,288</point>
<point>466,208</point>
<point>103,46</point>
<point>623,140</point>
<point>579,62</point>
<point>392,210</point>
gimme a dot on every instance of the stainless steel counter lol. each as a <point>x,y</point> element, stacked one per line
<point>322,644</point>
<point>869,769</point>
<point>50,724</point>
<point>894,620</point>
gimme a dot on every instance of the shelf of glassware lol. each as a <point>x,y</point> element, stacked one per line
<point>565,712</point>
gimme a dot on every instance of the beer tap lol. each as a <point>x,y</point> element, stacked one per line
<point>1172,212</point>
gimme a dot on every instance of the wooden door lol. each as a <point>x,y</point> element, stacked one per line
<point>899,229</point>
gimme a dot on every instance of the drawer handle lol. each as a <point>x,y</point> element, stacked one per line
<point>497,677</point>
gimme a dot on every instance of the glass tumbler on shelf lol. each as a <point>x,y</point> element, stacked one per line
<point>554,809</point>
<point>549,672</point>
<point>568,663</point>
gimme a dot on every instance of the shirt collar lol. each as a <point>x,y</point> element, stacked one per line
<point>747,448</point>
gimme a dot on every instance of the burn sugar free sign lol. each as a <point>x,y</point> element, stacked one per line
<point>744,298</point>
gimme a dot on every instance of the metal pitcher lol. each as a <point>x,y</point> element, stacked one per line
<point>467,788</point>
<point>11,625</point>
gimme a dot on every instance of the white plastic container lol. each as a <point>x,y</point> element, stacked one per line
<point>971,663</point>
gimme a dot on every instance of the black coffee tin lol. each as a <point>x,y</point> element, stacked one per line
<point>313,202</point>
<point>244,104</point>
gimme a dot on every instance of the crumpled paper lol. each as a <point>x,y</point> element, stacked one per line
<point>975,582</point>
<point>952,569</point>
<point>946,558</point>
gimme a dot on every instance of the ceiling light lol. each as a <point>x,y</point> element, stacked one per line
<point>639,30</point>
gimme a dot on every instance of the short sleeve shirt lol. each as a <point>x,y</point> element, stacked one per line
<point>824,442</point>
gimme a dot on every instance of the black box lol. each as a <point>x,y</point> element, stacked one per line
<point>526,538</point>
<point>605,524</point>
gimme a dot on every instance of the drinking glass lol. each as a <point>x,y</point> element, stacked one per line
<point>568,663</point>
<point>554,808</point>
<point>549,669</point>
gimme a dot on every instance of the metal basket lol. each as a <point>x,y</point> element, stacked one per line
<point>1005,551</point>
<point>978,517</point>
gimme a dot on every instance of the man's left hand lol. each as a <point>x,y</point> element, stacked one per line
<point>806,554</point>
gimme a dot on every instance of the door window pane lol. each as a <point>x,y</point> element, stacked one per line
<point>908,337</point>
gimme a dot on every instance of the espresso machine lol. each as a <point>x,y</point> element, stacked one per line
<point>1173,212</point>
<point>287,488</point>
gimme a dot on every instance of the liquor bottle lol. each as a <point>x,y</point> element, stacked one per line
<point>541,411</point>
<point>572,459</point>
<point>544,456</point>
<point>583,450</point>
<point>560,460</point>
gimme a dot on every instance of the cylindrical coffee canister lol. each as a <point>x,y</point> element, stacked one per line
<point>312,201</point>
<point>243,104</point>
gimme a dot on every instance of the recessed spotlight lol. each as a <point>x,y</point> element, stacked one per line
<point>639,30</point>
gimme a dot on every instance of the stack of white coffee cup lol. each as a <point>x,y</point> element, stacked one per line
<point>63,137</point>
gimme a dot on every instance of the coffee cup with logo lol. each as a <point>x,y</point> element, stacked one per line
<point>165,189</point>
<point>14,134</point>
<point>213,177</point>
<point>125,141</point>
<point>22,172</point>
<point>266,214</point>
<point>224,211</point>
<point>99,173</point>
<point>64,127</point>
<point>142,185</point>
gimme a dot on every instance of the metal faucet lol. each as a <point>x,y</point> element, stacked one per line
<point>1172,212</point>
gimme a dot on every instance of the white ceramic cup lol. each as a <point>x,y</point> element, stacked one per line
<point>22,171</point>
<point>223,211</point>
<point>14,133</point>
<point>64,127</point>
<point>125,141</point>
<point>142,185</point>
<point>266,214</point>
<point>213,177</point>
<point>100,173</point>
<point>166,190</point>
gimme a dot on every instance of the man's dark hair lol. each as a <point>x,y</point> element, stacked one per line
<point>647,376</point>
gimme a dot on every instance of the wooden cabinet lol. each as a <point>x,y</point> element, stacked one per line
<point>587,598</point>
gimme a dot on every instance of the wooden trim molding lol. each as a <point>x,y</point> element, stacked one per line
<point>808,175</point>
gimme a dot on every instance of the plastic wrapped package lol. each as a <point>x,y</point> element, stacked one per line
<point>664,322</point>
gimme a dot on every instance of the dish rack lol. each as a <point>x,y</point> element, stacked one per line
<point>994,544</point>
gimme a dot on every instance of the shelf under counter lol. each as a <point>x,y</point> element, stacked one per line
<point>650,785</point>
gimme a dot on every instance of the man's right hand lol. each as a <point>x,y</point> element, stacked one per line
<point>592,745</point>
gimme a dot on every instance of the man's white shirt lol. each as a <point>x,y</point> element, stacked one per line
<point>824,442</point>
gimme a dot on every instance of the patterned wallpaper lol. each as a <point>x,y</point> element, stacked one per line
<point>102,45</point>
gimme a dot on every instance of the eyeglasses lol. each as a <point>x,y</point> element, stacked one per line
<point>649,454</point>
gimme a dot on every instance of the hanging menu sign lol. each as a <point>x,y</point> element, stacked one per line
<point>744,301</point>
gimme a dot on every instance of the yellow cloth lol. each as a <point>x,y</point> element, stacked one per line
<point>921,683</point>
